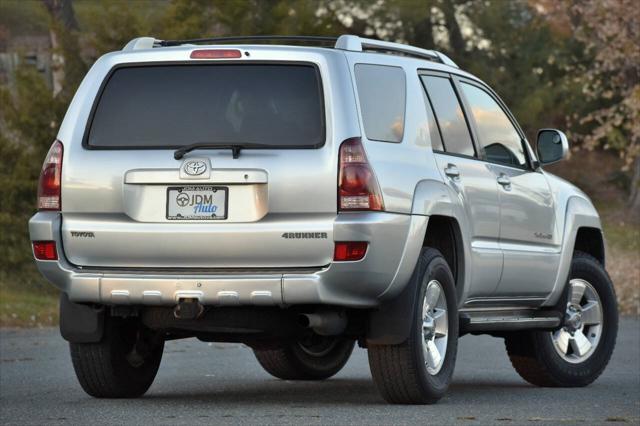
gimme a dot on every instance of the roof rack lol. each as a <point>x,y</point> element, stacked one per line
<point>344,42</point>
<point>359,44</point>
<point>263,38</point>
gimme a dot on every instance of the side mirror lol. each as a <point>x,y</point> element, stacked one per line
<point>552,146</point>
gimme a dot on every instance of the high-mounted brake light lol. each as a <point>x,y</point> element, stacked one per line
<point>216,54</point>
<point>45,250</point>
<point>357,185</point>
<point>49,186</point>
<point>350,250</point>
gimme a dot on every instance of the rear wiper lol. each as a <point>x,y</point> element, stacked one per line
<point>234,147</point>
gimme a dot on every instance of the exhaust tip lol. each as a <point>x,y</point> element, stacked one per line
<point>303,320</point>
<point>326,323</point>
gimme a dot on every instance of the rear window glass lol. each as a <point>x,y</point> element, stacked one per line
<point>382,93</point>
<point>176,105</point>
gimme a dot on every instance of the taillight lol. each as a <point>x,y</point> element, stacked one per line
<point>45,250</point>
<point>349,250</point>
<point>357,185</point>
<point>50,179</point>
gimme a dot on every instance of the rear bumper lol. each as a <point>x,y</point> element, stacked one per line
<point>394,245</point>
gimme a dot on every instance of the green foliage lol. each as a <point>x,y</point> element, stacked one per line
<point>186,19</point>
<point>32,114</point>
<point>23,18</point>
<point>257,17</point>
<point>111,25</point>
<point>17,199</point>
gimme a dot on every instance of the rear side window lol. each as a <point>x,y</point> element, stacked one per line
<point>176,105</point>
<point>500,141</point>
<point>449,115</point>
<point>382,95</point>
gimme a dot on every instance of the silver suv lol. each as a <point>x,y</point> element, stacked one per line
<point>298,199</point>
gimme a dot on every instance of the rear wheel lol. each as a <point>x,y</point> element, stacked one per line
<point>313,358</point>
<point>123,364</point>
<point>576,354</point>
<point>419,370</point>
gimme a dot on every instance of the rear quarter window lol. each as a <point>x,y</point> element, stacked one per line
<point>382,96</point>
<point>180,104</point>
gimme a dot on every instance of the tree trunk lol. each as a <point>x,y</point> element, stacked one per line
<point>456,41</point>
<point>423,34</point>
<point>67,65</point>
<point>62,11</point>
<point>634,196</point>
<point>57,63</point>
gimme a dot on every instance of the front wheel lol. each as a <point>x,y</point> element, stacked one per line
<point>576,354</point>
<point>419,370</point>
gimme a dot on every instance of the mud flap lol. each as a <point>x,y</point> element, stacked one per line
<point>390,324</point>
<point>80,323</point>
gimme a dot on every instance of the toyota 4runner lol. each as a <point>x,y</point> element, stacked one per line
<point>299,199</point>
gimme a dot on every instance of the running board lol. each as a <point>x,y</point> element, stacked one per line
<point>500,320</point>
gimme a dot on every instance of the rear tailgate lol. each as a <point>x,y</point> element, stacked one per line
<point>127,203</point>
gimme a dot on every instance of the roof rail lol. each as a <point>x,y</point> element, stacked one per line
<point>359,44</point>
<point>261,38</point>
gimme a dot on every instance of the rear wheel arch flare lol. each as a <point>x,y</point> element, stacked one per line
<point>443,233</point>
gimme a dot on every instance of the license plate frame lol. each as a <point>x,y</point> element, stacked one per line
<point>214,190</point>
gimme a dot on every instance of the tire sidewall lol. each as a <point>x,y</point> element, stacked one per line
<point>435,267</point>
<point>140,375</point>
<point>102,367</point>
<point>326,365</point>
<point>583,373</point>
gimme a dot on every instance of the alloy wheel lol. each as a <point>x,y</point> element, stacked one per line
<point>578,338</point>
<point>435,327</point>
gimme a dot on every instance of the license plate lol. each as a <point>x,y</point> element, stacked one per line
<point>196,203</point>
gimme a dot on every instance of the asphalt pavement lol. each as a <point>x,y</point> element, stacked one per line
<point>202,383</point>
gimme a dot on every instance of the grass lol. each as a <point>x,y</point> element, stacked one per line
<point>623,261</point>
<point>27,307</point>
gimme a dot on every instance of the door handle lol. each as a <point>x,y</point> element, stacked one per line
<point>504,180</point>
<point>452,171</point>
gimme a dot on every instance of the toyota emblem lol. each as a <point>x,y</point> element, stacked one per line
<point>195,167</point>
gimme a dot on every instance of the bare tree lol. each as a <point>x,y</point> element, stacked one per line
<point>67,65</point>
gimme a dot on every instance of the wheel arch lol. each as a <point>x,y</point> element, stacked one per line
<point>443,233</point>
<point>582,231</point>
<point>591,241</point>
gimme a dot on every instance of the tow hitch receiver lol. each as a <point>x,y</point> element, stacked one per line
<point>188,309</point>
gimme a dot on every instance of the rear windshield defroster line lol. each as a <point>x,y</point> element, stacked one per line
<point>173,105</point>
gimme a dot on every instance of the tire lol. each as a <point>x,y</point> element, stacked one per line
<point>405,373</point>
<point>563,359</point>
<point>123,364</point>
<point>315,358</point>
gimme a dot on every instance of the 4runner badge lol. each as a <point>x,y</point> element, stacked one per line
<point>305,235</point>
